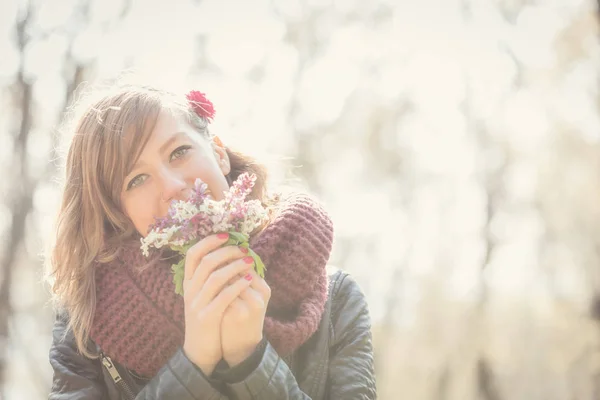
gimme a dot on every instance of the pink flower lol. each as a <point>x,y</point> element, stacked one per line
<point>199,216</point>
<point>189,221</point>
<point>201,105</point>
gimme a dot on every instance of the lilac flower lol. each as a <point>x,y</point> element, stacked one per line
<point>188,222</point>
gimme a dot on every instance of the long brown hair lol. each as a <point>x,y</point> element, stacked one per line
<point>107,137</point>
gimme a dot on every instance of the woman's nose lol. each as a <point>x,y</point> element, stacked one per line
<point>172,186</point>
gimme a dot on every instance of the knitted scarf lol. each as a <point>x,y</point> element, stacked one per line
<point>139,319</point>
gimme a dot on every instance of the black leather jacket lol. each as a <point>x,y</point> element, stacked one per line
<point>335,363</point>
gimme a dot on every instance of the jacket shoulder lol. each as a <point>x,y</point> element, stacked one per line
<point>74,374</point>
<point>343,285</point>
<point>351,362</point>
<point>348,303</point>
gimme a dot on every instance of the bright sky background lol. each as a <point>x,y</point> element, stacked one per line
<point>433,78</point>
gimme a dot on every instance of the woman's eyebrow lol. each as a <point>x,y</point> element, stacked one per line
<point>162,148</point>
<point>170,140</point>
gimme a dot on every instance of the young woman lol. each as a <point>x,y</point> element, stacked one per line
<point>122,332</point>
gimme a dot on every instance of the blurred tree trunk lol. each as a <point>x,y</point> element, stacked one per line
<point>20,189</point>
<point>22,184</point>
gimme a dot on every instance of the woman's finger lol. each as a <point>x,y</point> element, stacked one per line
<point>205,291</point>
<point>195,253</point>
<point>216,259</point>
<point>252,298</point>
<point>261,286</point>
<point>227,296</point>
<point>238,306</point>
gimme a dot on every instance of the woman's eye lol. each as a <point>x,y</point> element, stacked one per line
<point>137,181</point>
<point>179,152</point>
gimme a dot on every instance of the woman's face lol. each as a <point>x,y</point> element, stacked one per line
<point>173,158</point>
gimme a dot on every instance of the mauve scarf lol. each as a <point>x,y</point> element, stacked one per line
<point>139,320</point>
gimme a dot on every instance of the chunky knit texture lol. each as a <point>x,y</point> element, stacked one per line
<point>139,320</point>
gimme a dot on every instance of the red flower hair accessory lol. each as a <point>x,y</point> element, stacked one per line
<point>201,105</point>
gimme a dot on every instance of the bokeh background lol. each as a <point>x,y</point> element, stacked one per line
<point>456,143</point>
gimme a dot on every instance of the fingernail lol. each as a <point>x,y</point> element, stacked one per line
<point>223,235</point>
<point>248,277</point>
<point>244,250</point>
<point>248,260</point>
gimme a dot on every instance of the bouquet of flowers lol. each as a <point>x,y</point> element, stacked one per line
<point>189,221</point>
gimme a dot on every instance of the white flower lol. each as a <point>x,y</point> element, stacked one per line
<point>184,210</point>
<point>222,216</point>
<point>158,239</point>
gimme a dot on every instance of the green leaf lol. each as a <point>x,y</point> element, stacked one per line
<point>259,266</point>
<point>183,249</point>
<point>239,237</point>
<point>178,275</point>
<point>231,242</point>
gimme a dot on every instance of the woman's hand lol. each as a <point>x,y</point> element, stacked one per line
<point>242,324</point>
<point>209,269</point>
